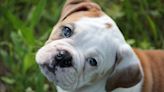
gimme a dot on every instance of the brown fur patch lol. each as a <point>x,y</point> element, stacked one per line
<point>73,6</point>
<point>152,62</point>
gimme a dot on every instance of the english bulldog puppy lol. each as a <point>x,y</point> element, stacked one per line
<point>86,52</point>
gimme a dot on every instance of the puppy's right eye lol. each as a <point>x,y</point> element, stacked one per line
<point>92,61</point>
<point>67,32</point>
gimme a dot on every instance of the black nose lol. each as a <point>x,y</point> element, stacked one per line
<point>63,59</point>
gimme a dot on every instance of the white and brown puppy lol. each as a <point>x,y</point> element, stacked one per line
<point>86,52</point>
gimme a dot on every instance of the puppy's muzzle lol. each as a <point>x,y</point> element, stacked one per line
<point>62,59</point>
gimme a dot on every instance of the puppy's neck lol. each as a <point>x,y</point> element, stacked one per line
<point>96,87</point>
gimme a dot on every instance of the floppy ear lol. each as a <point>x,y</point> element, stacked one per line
<point>127,71</point>
<point>73,6</point>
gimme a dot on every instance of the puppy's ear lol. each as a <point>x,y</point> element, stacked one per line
<point>127,71</point>
<point>73,6</point>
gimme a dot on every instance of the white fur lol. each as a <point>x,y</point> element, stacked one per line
<point>91,39</point>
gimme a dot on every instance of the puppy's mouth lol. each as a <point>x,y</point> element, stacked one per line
<point>64,77</point>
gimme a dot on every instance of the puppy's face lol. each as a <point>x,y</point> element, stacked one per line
<point>81,50</point>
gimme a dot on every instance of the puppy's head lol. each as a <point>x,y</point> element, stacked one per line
<point>86,47</point>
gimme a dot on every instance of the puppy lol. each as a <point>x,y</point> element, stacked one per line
<point>86,52</point>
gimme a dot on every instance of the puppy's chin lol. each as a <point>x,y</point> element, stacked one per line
<point>65,78</point>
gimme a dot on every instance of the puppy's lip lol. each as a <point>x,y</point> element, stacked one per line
<point>51,69</point>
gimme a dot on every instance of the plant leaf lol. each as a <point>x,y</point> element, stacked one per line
<point>28,62</point>
<point>28,35</point>
<point>36,13</point>
<point>15,21</point>
<point>8,80</point>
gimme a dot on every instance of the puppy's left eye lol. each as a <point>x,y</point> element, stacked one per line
<point>92,61</point>
<point>67,32</point>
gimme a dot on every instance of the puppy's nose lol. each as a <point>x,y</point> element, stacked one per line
<point>63,59</point>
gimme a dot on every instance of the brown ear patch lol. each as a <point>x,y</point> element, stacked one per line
<point>125,78</point>
<point>74,6</point>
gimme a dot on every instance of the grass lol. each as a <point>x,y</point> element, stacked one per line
<point>26,24</point>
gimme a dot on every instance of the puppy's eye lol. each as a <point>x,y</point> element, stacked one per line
<point>67,32</point>
<point>92,61</point>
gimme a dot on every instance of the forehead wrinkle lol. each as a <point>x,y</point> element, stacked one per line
<point>79,15</point>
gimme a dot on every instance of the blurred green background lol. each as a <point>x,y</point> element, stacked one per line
<point>26,24</point>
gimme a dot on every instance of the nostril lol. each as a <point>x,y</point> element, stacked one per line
<point>60,56</point>
<point>63,59</point>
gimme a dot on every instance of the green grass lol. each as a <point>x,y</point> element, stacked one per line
<point>26,24</point>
